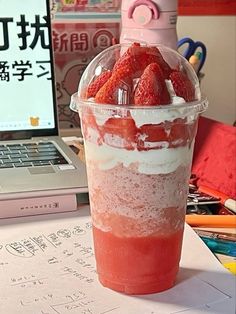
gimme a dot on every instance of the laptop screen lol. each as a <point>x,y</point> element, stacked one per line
<point>27,87</point>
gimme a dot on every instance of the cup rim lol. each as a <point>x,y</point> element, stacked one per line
<point>76,102</point>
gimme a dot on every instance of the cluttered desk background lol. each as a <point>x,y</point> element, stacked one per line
<point>44,240</point>
<point>212,23</point>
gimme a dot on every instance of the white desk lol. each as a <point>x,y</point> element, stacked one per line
<point>47,266</point>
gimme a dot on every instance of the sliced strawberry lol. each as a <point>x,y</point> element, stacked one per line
<point>88,121</point>
<point>154,132</point>
<point>179,133</point>
<point>95,85</point>
<point>176,133</point>
<point>151,136</point>
<point>192,130</point>
<point>138,57</point>
<point>124,127</point>
<point>151,89</point>
<point>182,85</point>
<point>166,69</point>
<point>117,89</point>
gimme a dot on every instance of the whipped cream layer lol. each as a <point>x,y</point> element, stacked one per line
<point>156,161</point>
<point>163,160</point>
<point>153,115</point>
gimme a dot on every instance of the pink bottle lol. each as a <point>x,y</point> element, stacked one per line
<point>149,21</point>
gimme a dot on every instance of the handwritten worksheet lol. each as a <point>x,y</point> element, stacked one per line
<point>47,266</point>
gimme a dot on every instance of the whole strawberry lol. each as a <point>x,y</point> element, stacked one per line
<point>182,85</point>
<point>95,85</point>
<point>117,89</point>
<point>138,57</point>
<point>151,89</point>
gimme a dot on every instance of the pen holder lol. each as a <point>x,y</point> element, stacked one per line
<point>200,76</point>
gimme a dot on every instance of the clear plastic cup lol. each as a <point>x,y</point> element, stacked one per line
<point>138,162</point>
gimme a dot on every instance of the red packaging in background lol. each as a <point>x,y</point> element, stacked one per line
<point>214,159</point>
<point>77,39</point>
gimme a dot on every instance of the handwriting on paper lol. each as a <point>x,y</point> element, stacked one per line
<point>65,255</point>
<point>33,245</point>
<point>48,267</point>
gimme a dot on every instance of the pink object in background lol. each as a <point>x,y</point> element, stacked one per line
<point>76,42</point>
<point>149,21</point>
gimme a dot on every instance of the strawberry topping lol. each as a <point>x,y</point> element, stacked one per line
<point>117,89</point>
<point>138,78</point>
<point>182,85</point>
<point>151,89</point>
<point>96,84</point>
<point>137,58</point>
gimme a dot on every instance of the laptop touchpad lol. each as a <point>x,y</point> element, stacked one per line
<point>41,170</point>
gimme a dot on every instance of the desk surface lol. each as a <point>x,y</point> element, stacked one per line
<point>47,266</point>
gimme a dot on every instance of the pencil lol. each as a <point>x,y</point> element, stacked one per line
<point>225,200</point>
<point>221,221</point>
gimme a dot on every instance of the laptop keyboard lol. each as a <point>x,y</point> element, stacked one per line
<point>30,155</point>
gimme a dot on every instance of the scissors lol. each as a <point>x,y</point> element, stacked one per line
<point>192,46</point>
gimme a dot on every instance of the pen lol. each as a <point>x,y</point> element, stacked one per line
<point>231,266</point>
<point>195,60</point>
<point>221,246</point>
<point>225,211</point>
<point>224,199</point>
<point>222,221</point>
<point>216,235</point>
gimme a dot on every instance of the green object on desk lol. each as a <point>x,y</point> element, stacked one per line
<point>220,246</point>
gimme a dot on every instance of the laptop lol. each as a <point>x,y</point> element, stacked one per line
<point>34,161</point>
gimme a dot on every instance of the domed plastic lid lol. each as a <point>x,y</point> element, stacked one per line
<point>139,75</point>
<point>139,97</point>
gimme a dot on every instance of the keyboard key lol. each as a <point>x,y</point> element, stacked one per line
<point>31,150</point>
<point>14,146</point>
<point>13,151</point>
<point>6,166</point>
<point>11,155</point>
<point>30,145</point>
<point>7,161</point>
<point>40,154</point>
<point>47,149</point>
<point>43,158</point>
<point>13,160</point>
<point>47,144</point>
<point>61,161</point>
<point>45,163</point>
<point>23,150</point>
<point>4,149</point>
<point>23,164</point>
<point>4,157</point>
<point>41,163</point>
